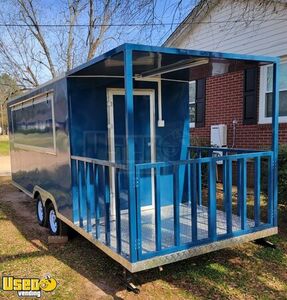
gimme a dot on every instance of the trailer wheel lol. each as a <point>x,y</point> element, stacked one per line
<point>56,226</point>
<point>41,212</point>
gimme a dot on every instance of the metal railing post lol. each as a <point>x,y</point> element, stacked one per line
<point>275,115</point>
<point>129,118</point>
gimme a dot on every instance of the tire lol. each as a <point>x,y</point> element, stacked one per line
<point>56,226</point>
<point>41,212</point>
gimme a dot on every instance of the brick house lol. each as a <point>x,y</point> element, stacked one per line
<point>240,99</point>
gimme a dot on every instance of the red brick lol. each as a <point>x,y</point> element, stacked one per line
<point>224,103</point>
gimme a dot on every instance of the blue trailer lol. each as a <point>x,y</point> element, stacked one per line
<point>106,150</point>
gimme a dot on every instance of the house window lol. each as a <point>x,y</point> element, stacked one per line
<point>192,93</point>
<point>266,86</point>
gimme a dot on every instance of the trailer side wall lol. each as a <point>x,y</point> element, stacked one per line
<point>30,137</point>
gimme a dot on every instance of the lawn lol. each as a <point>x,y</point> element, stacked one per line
<point>4,146</point>
<point>248,271</point>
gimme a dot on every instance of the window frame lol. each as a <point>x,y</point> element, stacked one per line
<point>262,119</point>
<point>191,124</point>
<point>43,97</point>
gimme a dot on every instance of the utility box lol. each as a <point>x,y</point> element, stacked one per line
<point>218,138</point>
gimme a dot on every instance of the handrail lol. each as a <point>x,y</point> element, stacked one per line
<point>99,162</point>
<point>240,150</point>
<point>203,160</point>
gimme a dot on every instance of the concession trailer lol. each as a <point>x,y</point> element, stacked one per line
<point>106,150</point>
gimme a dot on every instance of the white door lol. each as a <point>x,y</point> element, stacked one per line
<point>144,131</point>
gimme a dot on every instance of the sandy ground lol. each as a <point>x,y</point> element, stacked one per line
<point>5,167</point>
<point>24,224</point>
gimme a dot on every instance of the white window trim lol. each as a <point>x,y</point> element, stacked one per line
<point>262,96</point>
<point>191,124</point>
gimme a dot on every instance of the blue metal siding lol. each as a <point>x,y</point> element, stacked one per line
<point>88,109</point>
<point>172,141</point>
<point>50,172</point>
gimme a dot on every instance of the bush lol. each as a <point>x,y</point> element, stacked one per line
<point>282,175</point>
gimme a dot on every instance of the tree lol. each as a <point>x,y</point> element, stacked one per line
<point>40,41</point>
<point>8,88</point>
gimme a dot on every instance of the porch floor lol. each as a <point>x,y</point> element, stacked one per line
<point>167,225</point>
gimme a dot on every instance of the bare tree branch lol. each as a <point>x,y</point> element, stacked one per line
<point>29,14</point>
<point>74,11</point>
<point>32,53</point>
<point>94,41</point>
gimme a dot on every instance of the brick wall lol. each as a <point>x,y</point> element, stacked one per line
<point>224,103</point>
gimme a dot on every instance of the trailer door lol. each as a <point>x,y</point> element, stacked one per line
<point>144,131</point>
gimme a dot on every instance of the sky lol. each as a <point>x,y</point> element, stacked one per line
<point>169,12</point>
<point>163,19</point>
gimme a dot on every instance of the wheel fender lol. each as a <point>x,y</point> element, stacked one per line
<point>45,196</point>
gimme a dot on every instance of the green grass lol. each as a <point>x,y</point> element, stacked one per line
<point>4,146</point>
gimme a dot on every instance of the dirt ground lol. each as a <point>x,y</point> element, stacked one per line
<point>84,272</point>
<point>5,169</point>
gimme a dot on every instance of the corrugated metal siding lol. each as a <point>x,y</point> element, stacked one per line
<point>267,35</point>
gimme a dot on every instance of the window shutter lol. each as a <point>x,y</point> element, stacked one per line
<point>250,97</point>
<point>200,103</point>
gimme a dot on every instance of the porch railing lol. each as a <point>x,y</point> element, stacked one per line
<point>199,152</point>
<point>188,208</point>
<point>195,215</point>
<point>92,192</point>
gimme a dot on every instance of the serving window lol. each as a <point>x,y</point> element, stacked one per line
<point>33,124</point>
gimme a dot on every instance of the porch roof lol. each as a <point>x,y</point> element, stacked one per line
<point>148,60</point>
<point>169,63</point>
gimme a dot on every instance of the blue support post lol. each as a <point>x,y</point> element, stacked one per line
<point>275,115</point>
<point>80,193</point>
<point>106,180</point>
<point>75,191</point>
<point>224,180</point>
<point>157,209</point>
<point>96,193</point>
<point>193,202</point>
<point>129,118</point>
<point>88,196</point>
<point>188,185</point>
<point>92,195</point>
<point>138,208</point>
<point>176,205</point>
<point>228,195</point>
<point>84,195</point>
<point>257,173</point>
<point>212,200</point>
<point>243,194</point>
<point>199,182</point>
<point>270,190</point>
<point>239,187</point>
<point>118,211</point>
